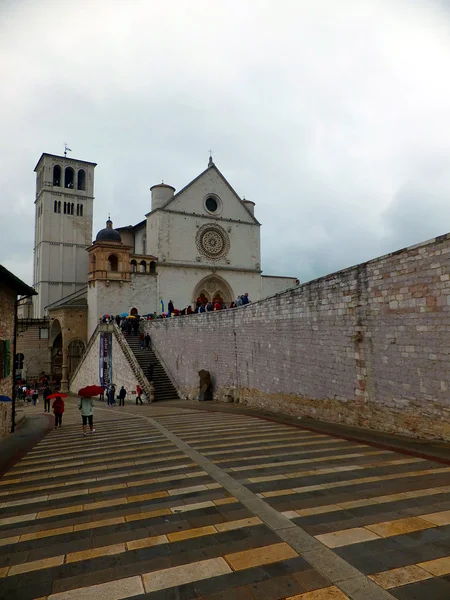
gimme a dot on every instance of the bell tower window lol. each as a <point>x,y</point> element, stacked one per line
<point>69,176</point>
<point>82,180</point>
<point>57,176</point>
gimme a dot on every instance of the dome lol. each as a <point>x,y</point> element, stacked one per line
<point>108,234</point>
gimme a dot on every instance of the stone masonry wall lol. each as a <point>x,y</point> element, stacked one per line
<point>122,373</point>
<point>367,346</point>
<point>7,300</point>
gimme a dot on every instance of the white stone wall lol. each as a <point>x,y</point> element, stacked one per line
<point>273,285</point>
<point>122,373</point>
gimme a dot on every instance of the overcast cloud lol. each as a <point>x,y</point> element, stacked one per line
<point>333,116</point>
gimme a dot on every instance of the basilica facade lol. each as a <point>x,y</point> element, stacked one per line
<point>203,241</point>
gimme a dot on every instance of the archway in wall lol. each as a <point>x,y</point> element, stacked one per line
<point>56,343</point>
<point>75,354</point>
<point>213,288</point>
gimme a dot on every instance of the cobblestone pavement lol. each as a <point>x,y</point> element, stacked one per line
<point>169,503</point>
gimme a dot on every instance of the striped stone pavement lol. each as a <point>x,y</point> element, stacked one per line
<point>168,502</point>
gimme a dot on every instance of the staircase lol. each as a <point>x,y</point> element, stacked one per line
<point>164,389</point>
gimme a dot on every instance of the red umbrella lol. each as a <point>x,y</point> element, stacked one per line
<point>90,390</point>
<point>56,395</point>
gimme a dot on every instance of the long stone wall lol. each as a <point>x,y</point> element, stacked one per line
<point>367,346</point>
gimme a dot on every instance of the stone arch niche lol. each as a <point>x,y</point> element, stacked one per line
<point>212,288</point>
<point>74,355</point>
<point>56,344</point>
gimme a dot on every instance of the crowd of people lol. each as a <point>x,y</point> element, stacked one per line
<point>131,323</point>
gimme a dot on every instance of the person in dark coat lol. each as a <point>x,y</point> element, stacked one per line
<point>122,396</point>
<point>46,393</point>
<point>170,307</point>
<point>148,340</point>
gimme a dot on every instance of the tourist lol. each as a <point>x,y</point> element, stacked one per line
<point>122,396</point>
<point>58,409</point>
<point>245,299</point>
<point>142,340</point>
<point>239,301</point>
<point>209,307</point>
<point>138,394</point>
<point>35,395</point>
<point>170,308</point>
<point>86,406</point>
<point>102,395</point>
<point>136,326</point>
<point>118,320</point>
<point>110,395</point>
<point>46,394</point>
<point>217,305</point>
<point>189,310</point>
<point>148,340</point>
<point>150,369</point>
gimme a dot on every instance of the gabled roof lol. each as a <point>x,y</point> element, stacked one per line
<point>10,280</point>
<point>210,166</point>
<point>76,299</point>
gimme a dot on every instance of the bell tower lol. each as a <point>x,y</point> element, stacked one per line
<point>63,227</point>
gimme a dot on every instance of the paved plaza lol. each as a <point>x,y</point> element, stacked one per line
<point>165,502</point>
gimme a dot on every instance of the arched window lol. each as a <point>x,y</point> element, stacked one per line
<point>55,206</point>
<point>142,266</point>
<point>19,361</point>
<point>133,265</point>
<point>57,176</point>
<point>59,206</point>
<point>152,267</point>
<point>69,176</point>
<point>65,208</point>
<point>113,263</point>
<point>82,179</point>
<point>72,206</point>
<point>79,210</point>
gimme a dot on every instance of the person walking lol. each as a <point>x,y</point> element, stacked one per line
<point>58,410</point>
<point>46,394</point>
<point>138,394</point>
<point>148,340</point>
<point>86,406</point>
<point>122,395</point>
<point>142,340</point>
<point>35,395</point>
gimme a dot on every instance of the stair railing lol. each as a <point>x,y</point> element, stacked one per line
<point>133,362</point>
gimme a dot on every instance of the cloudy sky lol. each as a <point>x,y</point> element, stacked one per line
<point>332,115</point>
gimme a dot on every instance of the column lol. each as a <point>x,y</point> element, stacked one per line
<point>65,380</point>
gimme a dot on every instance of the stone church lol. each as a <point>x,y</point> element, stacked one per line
<point>201,241</point>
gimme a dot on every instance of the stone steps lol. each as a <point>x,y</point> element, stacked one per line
<point>164,389</point>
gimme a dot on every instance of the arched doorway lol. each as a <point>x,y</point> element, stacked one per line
<point>75,354</point>
<point>213,288</point>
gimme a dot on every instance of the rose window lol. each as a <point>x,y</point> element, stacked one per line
<point>212,241</point>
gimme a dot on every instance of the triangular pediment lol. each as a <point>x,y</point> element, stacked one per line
<point>194,198</point>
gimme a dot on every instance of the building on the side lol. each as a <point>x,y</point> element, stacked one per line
<point>10,288</point>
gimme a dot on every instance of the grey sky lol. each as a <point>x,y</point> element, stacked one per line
<point>332,116</point>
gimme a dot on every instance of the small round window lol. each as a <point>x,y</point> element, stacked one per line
<point>211,204</point>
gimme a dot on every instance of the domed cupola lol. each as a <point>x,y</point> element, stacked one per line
<point>108,234</point>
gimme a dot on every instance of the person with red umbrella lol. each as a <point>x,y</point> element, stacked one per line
<point>86,405</point>
<point>58,407</point>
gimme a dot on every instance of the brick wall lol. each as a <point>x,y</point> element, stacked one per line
<point>367,346</point>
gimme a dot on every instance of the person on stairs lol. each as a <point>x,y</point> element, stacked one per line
<point>86,406</point>
<point>148,340</point>
<point>142,340</point>
<point>138,394</point>
<point>46,394</point>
